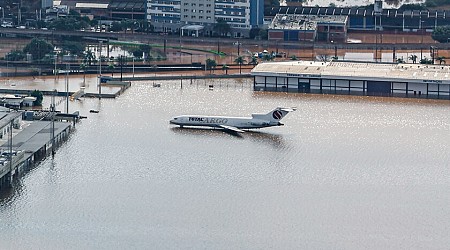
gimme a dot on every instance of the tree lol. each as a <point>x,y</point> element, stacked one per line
<point>240,60</point>
<point>413,58</point>
<point>221,27</point>
<point>294,58</point>
<point>211,64</point>
<point>267,57</point>
<point>73,47</point>
<point>38,48</point>
<point>426,61</point>
<point>225,68</point>
<point>441,34</point>
<point>68,24</point>
<point>116,26</point>
<point>15,55</point>
<point>111,67</point>
<point>127,24</point>
<point>441,59</point>
<point>253,60</point>
<point>88,57</point>
<point>400,60</point>
<point>254,32</point>
<point>39,97</point>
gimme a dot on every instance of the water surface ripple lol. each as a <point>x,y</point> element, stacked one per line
<point>343,173</point>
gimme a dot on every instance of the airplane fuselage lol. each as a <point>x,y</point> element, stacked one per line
<point>235,124</point>
<point>217,121</point>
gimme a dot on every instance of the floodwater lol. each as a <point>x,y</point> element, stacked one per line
<point>343,173</point>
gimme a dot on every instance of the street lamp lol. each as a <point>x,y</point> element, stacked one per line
<point>421,40</point>
<point>100,71</point>
<point>238,47</point>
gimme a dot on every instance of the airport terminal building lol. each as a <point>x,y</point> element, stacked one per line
<point>354,78</point>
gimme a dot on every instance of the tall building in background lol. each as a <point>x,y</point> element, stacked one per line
<point>173,15</point>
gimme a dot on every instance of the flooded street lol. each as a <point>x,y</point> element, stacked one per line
<point>343,173</point>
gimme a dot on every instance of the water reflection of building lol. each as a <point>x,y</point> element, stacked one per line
<point>378,79</point>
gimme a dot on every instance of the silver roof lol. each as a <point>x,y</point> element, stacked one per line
<point>402,72</point>
<point>303,22</point>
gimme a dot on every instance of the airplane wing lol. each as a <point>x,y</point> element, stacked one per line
<point>234,129</point>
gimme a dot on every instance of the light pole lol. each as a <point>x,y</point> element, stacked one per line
<point>100,71</point>
<point>421,40</point>
<point>67,87</point>
<point>55,57</point>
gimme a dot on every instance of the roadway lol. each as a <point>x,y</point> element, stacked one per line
<point>416,42</point>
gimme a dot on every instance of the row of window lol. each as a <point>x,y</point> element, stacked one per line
<point>166,2</point>
<point>199,17</point>
<point>194,11</point>
<point>199,5</point>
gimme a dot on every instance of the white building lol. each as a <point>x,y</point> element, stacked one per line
<point>171,16</point>
<point>355,78</point>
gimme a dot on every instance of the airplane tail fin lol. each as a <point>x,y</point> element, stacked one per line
<point>275,115</point>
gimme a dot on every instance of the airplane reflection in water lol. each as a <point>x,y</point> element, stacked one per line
<point>234,124</point>
<point>275,140</point>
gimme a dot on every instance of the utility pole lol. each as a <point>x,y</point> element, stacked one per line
<point>10,151</point>
<point>67,87</point>
<point>121,66</point>
<point>100,71</point>
<point>52,114</point>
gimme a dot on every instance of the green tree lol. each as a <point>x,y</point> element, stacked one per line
<point>253,60</point>
<point>127,24</point>
<point>38,48</point>
<point>264,34</point>
<point>254,32</point>
<point>267,57</point>
<point>426,61</point>
<point>73,47</point>
<point>225,68</point>
<point>400,60</point>
<point>441,34</point>
<point>221,27</point>
<point>116,26</point>
<point>68,24</point>
<point>413,58</point>
<point>15,55</point>
<point>441,59</point>
<point>111,67</point>
<point>240,60</point>
<point>88,57</point>
<point>294,58</point>
<point>211,64</point>
<point>39,97</point>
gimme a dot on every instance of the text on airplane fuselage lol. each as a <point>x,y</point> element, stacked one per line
<point>208,120</point>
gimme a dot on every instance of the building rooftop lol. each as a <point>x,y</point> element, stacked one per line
<point>357,70</point>
<point>303,22</point>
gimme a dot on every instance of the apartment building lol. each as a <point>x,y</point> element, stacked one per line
<point>172,15</point>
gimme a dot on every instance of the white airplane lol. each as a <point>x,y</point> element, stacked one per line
<point>235,124</point>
